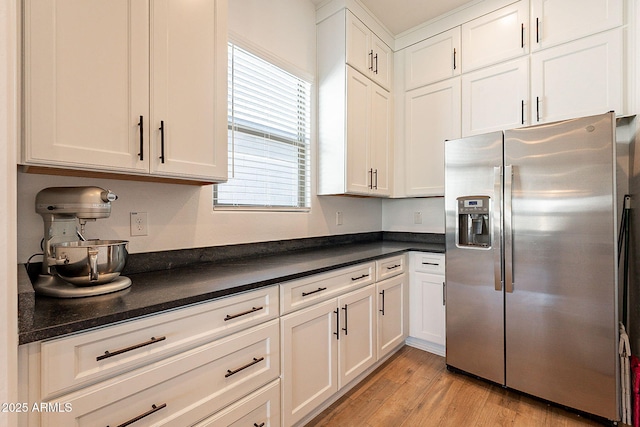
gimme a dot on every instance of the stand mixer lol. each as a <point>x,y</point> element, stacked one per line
<point>73,266</point>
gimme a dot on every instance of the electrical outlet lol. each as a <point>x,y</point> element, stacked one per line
<point>338,218</point>
<point>139,223</point>
<point>417,217</point>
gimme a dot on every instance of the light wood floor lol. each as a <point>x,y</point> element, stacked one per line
<point>414,388</point>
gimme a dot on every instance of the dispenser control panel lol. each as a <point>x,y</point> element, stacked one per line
<point>474,221</point>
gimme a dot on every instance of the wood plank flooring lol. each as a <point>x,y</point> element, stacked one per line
<point>414,388</point>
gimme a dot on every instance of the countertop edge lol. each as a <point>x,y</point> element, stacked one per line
<point>29,333</point>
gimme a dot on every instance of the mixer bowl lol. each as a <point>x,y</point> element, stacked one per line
<point>90,262</point>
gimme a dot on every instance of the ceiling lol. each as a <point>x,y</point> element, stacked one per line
<point>401,15</point>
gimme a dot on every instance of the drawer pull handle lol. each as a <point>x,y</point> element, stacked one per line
<point>154,408</point>
<point>242,368</point>
<point>394,266</point>
<point>430,263</point>
<point>108,353</point>
<point>359,277</point>
<point>304,294</point>
<point>258,425</point>
<point>244,313</point>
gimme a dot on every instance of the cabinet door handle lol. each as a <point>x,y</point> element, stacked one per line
<point>375,186</point>
<point>444,293</point>
<point>522,111</point>
<point>454,58</point>
<point>371,60</point>
<point>537,108</point>
<point>337,332</point>
<point>243,367</point>
<point>522,35</point>
<point>359,277</point>
<point>370,183</point>
<point>382,310</point>
<point>162,141</point>
<point>108,353</point>
<point>376,58</point>
<point>244,313</point>
<point>346,321</point>
<point>258,425</point>
<point>154,409</point>
<point>537,30</point>
<point>304,294</point>
<point>141,125</point>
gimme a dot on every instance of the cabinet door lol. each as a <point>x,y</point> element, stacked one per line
<point>557,21</point>
<point>309,359</point>
<point>496,98</point>
<point>393,314</point>
<point>495,37</point>
<point>427,308</point>
<point>578,79</point>
<point>434,59</point>
<point>382,62</point>
<point>86,84</point>
<point>359,171</point>
<point>359,50</point>
<point>381,137</point>
<point>357,344</point>
<point>432,115</point>
<point>188,128</point>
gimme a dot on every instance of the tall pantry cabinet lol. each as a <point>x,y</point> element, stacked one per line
<point>111,86</point>
<point>355,108</point>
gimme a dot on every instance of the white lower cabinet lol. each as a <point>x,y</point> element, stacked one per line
<point>427,302</point>
<point>261,408</point>
<point>324,347</point>
<point>180,390</point>
<point>393,313</point>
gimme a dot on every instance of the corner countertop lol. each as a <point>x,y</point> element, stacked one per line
<point>44,317</point>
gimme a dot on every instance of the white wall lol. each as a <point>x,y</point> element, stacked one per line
<point>8,138</point>
<point>181,216</point>
<point>399,215</point>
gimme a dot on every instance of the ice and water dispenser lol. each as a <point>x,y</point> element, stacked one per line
<point>474,221</point>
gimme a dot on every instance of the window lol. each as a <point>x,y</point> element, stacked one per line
<point>269,132</point>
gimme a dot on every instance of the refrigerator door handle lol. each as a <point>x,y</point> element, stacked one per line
<point>508,230</point>
<point>495,231</point>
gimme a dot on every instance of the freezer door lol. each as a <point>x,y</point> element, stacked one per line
<point>560,268</point>
<point>475,313</point>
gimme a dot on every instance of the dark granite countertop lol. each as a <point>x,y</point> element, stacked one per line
<point>44,317</point>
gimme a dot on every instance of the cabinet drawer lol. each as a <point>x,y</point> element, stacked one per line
<point>427,262</point>
<point>180,390</point>
<point>320,287</point>
<point>390,267</point>
<point>261,408</point>
<point>80,359</point>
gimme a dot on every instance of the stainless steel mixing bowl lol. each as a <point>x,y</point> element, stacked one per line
<point>90,262</point>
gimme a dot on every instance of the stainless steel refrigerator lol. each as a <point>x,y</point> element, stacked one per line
<point>531,268</point>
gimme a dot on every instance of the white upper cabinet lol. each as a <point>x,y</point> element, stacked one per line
<point>557,21</point>
<point>580,78</point>
<point>188,132</point>
<point>101,77</point>
<point>86,83</point>
<point>366,52</point>
<point>434,59</point>
<point>496,97</point>
<point>432,115</point>
<point>495,37</point>
<point>354,113</point>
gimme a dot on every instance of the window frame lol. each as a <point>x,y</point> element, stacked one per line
<point>304,193</point>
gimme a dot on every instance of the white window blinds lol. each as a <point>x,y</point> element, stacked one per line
<point>269,132</point>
